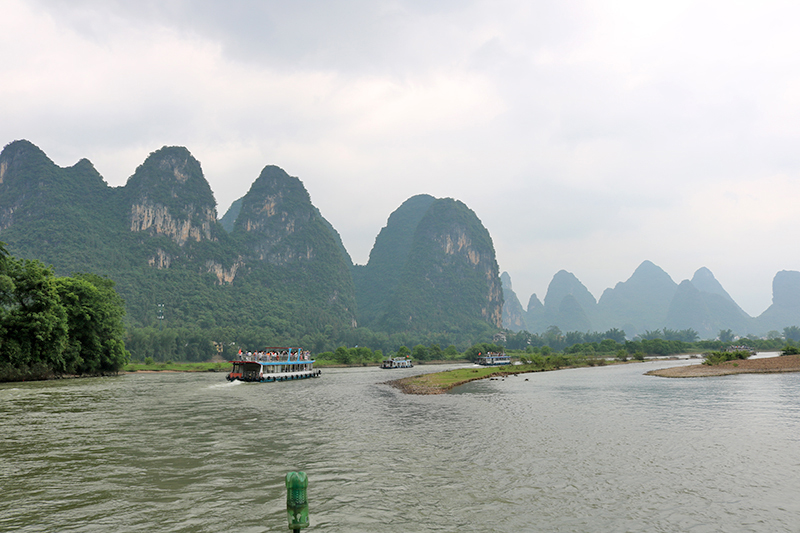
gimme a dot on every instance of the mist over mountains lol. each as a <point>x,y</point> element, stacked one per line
<point>650,300</point>
<point>272,266</point>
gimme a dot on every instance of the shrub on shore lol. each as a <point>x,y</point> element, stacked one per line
<point>715,358</point>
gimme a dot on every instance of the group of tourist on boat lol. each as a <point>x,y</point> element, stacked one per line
<point>276,354</point>
<point>397,362</point>
<point>273,364</point>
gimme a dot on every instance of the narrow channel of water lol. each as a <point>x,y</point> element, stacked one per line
<point>593,449</point>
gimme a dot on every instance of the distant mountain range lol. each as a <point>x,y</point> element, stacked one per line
<point>273,267</point>
<point>651,300</point>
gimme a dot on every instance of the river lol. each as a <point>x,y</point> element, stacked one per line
<point>591,449</point>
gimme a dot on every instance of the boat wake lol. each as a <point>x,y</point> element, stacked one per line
<point>226,384</point>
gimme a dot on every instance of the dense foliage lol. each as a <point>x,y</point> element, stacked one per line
<point>53,326</point>
<point>717,357</point>
<point>377,281</point>
<point>450,279</point>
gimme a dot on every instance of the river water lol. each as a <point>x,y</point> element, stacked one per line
<point>593,449</point>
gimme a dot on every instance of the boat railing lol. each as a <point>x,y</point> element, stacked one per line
<point>283,356</point>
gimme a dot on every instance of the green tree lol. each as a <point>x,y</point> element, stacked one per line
<point>34,323</point>
<point>608,345</point>
<point>476,350</point>
<point>94,321</point>
<point>342,355</point>
<point>554,338</point>
<point>435,352</point>
<point>451,352</point>
<point>420,353</point>
<point>574,337</point>
<point>791,333</point>
<point>615,334</point>
<point>726,335</point>
<point>651,335</point>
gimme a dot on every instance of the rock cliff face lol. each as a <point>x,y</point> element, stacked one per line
<point>279,226</point>
<point>432,268</point>
<point>168,195</point>
<point>513,314</point>
<point>158,220</point>
<point>277,218</point>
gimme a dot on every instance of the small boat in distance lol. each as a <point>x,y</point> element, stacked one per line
<point>741,348</point>
<point>493,359</point>
<point>397,362</point>
<point>273,364</point>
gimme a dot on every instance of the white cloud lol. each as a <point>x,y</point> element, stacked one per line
<point>586,135</point>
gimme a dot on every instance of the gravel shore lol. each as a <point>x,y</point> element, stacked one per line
<point>764,365</point>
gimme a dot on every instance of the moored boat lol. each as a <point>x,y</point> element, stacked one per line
<point>273,364</point>
<point>397,362</point>
<point>493,359</point>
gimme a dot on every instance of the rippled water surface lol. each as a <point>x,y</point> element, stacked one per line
<point>595,449</point>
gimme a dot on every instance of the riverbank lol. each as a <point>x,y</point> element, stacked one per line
<point>441,382</point>
<point>142,368</point>
<point>764,365</point>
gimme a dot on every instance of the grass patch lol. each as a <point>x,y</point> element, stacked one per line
<point>450,378</point>
<point>177,367</point>
<point>441,382</point>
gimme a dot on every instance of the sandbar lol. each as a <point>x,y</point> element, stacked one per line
<point>762,365</point>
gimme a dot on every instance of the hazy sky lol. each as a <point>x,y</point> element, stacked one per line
<point>587,136</point>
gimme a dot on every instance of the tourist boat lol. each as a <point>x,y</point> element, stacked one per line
<point>493,359</point>
<point>741,348</point>
<point>397,362</point>
<point>273,364</point>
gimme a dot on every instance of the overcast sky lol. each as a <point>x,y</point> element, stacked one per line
<point>587,136</point>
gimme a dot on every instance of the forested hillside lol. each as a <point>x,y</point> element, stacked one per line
<point>280,275</point>
<point>432,269</point>
<point>271,271</point>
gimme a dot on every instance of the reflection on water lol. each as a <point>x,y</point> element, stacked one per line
<point>593,449</point>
